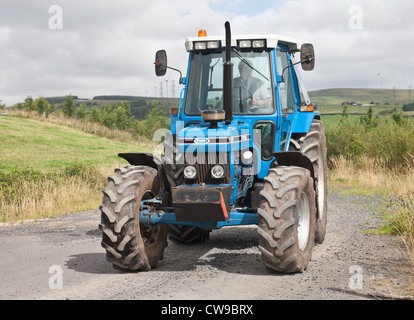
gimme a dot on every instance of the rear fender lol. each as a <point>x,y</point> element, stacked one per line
<point>293,158</point>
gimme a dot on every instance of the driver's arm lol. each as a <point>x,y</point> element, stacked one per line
<point>260,102</point>
<point>261,97</point>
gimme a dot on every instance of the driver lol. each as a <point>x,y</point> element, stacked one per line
<point>248,87</point>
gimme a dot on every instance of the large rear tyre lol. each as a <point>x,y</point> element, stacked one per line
<point>188,234</point>
<point>287,217</point>
<point>173,161</point>
<point>128,245</point>
<point>313,145</point>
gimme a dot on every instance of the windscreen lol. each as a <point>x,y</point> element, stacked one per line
<point>252,85</point>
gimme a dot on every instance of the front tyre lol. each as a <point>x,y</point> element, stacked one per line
<point>128,245</point>
<point>287,219</point>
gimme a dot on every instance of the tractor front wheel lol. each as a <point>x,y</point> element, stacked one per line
<point>287,218</point>
<point>128,245</point>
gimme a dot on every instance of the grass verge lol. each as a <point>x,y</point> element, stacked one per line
<point>31,194</point>
<point>396,186</point>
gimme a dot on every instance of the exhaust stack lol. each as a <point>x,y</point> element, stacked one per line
<point>228,78</point>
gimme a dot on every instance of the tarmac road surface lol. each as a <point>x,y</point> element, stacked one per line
<point>62,258</point>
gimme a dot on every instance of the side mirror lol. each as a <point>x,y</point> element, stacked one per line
<point>307,57</point>
<point>160,63</point>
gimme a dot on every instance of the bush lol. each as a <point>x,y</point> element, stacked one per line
<point>389,141</point>
<point>156,119</point>
<point>408,107</point>
<point>81,169</point>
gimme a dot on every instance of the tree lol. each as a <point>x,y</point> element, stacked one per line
<point>345,111</point>
<point>369,121</point>
<point>42,106</point>
<point>398,117</point>
<point>109,120</point>
<point>96,115</point>
<point>81,111</point>
<point>69,107</point>
<point>156,119</point>
<point>124,118</point>
<point>28,104</point>
<point>52,108</point>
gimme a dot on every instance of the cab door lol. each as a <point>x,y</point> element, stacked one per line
<point>285,94</point>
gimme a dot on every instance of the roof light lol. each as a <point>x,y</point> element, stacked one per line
<point>202,33</point>
<point>213,44</point>
<point>258,43</point>
<point>200,45</point>
<point>245,43</point>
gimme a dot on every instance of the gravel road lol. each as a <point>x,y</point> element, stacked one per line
<point>62,259</point>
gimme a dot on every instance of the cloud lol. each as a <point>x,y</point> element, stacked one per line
<point>108,47</point>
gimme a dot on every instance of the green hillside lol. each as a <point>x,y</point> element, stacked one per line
<point>329,99</point>
<point>46,146</point>
<point>140,106</point>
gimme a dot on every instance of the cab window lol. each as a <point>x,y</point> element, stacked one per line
<point>285,88</point>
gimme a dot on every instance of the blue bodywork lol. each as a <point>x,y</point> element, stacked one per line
<point>195,136</point>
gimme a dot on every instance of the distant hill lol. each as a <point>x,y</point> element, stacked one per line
<point>334,97</point>
<point>328,100</point>
<point>140,106</point>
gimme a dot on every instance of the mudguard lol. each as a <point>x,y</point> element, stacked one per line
<point>293,158</point>
<point>148,159</point>
<point>144,159</point>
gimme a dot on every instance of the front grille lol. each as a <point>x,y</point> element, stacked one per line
<point>204,162</point>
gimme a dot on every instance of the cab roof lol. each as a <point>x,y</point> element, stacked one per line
<point>271,41</point>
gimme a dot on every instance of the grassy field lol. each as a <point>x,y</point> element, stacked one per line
<point>46,146</point>
<point>48,169</point>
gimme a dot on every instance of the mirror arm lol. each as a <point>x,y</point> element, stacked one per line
<point>308,59</point>
<point>158,62</point>
<point>180,81</point>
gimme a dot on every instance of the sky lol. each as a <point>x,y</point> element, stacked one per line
<point>101,47</point>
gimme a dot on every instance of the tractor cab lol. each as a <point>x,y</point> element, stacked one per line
<point>254,108</point>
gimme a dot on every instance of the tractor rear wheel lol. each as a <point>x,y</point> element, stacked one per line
<point>128,245</point>
<point>287,217</point>
<point>188,234</point>
<point>313,145</point>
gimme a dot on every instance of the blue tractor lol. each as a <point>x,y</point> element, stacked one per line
<point>245,147</point>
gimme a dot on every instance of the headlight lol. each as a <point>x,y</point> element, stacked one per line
<point>190,172</point>
<point>217,172</point>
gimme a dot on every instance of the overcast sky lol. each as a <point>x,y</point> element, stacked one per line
<point>98,47</point>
